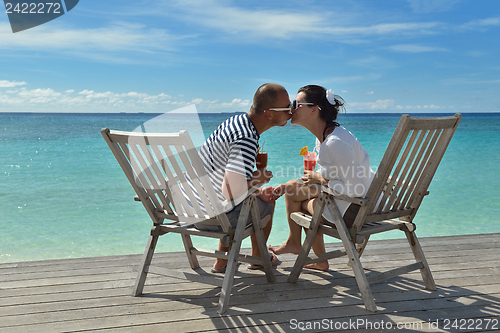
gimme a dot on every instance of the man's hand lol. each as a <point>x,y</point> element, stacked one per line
<point>311,177</point>
<point>267,194</point>
<point>279,190</point>
<point>261,176</point>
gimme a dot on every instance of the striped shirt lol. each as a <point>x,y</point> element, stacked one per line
<point>233,147</point>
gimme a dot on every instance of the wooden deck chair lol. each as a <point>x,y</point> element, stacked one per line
<point>160,167</point>
<point>391,202</point>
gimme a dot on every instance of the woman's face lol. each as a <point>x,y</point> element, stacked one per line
<point>303,112</point>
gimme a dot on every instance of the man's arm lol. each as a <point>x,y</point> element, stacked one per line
<point>235,185</point>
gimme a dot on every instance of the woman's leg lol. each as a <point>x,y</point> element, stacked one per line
<point>295,194</point>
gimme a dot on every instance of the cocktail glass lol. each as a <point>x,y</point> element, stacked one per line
<point>261,160</point>
<point>310,160</point>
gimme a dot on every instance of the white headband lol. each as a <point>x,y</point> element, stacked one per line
<point>330,96</point>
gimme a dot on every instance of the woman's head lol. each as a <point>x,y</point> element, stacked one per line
<point>328,104</point>
<point>328,109</point>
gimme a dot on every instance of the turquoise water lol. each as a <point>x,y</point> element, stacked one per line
<point>63,194</point>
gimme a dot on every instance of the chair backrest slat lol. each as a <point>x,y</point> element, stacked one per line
<point>422,161</point>
<point>168,175</point>
<point>427,174</point>
<point>407,168</point>
<point>192,208</point>
<point>117,144</point>
<point>405,162</point>
<point>200,170</point>
<point>134,158</point>
<point>195,181</point>
<point>411,163</point>
<point>153,180</point>
<point>395,181</point>
<point>208,188</point>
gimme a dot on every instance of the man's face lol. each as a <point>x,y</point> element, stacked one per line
<point>280,118</point>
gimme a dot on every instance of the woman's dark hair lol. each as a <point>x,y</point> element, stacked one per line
<point>327,112</point>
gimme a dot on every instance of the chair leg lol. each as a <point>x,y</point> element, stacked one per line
<point>361,248</point>
<point>188,245</point>
<point>306,246</point>
<point>352,254</point>
<point>232,263</point>
<point>145,262</point>
<point>420,257</point>
<point>261,242</point>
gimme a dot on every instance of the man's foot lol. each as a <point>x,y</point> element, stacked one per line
<point>284,248</point>
<point>219,266</point>
<point>319,266</point>
<point>272,257</point>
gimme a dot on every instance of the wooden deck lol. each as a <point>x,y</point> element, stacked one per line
<point>93,294</point>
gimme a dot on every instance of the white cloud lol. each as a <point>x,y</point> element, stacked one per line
<point>49,100</point>
<point>354,78</point>
<point>370,92</point>
<point>427,6</point>
<point>238,102</point>
<point>286,24</point>
<point>389,105</point>
<point>378,105</point>
<point>414,48</point>
<point>119,42</point>
<point>10,84</point>
<point>482,24</point>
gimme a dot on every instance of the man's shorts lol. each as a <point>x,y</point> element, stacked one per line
<point>265,208</point>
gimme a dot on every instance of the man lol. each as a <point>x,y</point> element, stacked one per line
<point>229,157</point>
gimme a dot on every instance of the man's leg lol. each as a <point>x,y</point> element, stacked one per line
<point>265,209</point>
<point>220,264</point>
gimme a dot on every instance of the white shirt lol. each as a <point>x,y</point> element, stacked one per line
<point>344,162</point>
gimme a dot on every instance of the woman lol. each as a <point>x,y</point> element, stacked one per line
<point>343,164</point>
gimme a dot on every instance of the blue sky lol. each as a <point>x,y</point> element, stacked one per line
<point>157,56</point>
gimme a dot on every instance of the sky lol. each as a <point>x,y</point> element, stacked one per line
<point>403,56</point>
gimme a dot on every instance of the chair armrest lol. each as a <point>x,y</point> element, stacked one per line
<point>326,189</point>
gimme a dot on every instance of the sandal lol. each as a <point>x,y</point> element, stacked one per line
<point>274,261</point>
<point>222,270</point>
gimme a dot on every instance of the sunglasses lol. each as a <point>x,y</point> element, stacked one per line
<point>295,104</point>
<point>281,109</point>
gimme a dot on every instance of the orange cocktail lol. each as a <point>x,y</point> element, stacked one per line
<point>310,160</point>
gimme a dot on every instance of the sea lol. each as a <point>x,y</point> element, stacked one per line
<point>63,195</point>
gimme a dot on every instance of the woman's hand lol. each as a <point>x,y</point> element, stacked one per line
<point>311,177</point>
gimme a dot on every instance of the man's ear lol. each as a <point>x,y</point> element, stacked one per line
<point>268,114</point>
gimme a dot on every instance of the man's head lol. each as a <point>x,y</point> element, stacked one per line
<point>267,102</point>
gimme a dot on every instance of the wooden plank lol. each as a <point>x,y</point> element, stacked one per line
<point>466,270</point>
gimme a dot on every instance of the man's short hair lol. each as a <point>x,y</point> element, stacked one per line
<point>266,97</point>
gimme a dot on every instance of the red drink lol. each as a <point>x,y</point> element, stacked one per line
<point>310,161</point>
<point>309,165</point>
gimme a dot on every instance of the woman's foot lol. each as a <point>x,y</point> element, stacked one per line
<point>319,266</point>
<point>285,248</point>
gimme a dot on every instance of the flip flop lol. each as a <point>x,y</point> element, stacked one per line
<point>223,270</point>
<point>274,261</point>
